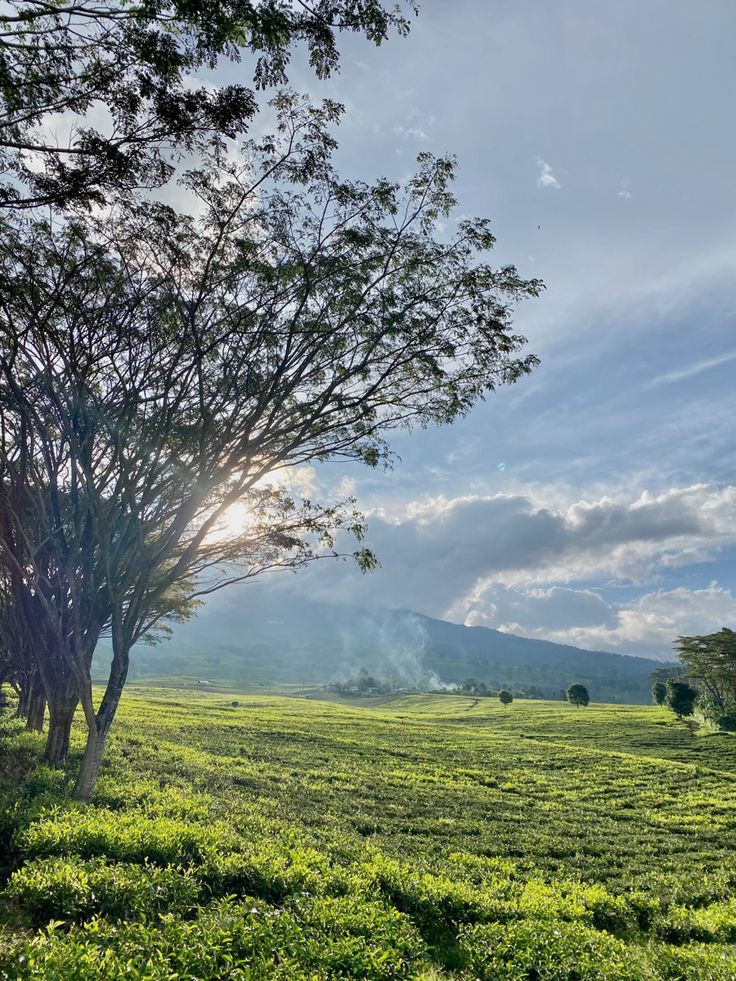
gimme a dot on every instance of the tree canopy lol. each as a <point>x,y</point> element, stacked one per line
<point>710,660</point>
<point>577,694</point>
<point>100,97</point>
<point>157,368</point>
<point>659,692</point>
<point>681,698</point>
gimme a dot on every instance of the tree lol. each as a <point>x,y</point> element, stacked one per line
<point>710,660</point>
<point>659,692</point>
<point>365,680</point>
<point>577,694</point>
<point>505,697</point>
<point>681,698</point>
<point>136,66</point>
<point>157,369</point>
<point>20,638</point>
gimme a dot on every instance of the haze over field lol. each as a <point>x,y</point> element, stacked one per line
<point>309,643</point>
<point>594,503</point>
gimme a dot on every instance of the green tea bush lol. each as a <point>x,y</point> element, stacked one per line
<point>696,962</point>
<point>76,889</point>
<point>549,951</point>
<point>716,922</point>
<point>11,728</point>
<point>272,871</point>
<point>574,901</point>
<point>433,901</point>
<point>301,840</point>
<point>317,938</point>
<point>116,793</point>
<point>131,837</point>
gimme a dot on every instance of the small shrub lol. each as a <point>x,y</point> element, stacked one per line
<point>715,922</point>
<point>696,962</point>
<point>433,902</point>
<point>248,941</point>
<point>271,872</point>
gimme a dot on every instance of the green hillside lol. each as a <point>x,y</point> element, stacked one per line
<point>417,837</point>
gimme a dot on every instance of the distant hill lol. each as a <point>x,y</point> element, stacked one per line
<point>246,638</point>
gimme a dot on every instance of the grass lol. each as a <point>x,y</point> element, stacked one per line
<point>420,837</point>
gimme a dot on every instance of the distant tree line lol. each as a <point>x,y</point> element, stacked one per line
<point>363,683</point>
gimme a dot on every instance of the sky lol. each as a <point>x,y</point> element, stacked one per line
<point>593,502</point>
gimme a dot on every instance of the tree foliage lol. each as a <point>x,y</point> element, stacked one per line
<point>710,661</point>
<point>577,694</point>
<point>505,697</point>
<point>157,369</point>
<point>100,97</point>
<point>681,698</point>
<point>659,692</point>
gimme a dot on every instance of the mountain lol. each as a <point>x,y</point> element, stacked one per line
<point>259,640</point>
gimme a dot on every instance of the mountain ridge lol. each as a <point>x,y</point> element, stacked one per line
<point>265,639</point>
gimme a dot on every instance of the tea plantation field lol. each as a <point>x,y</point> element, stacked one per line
<point>419,837</point>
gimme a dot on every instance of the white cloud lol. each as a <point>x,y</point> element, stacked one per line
<point>515,561</point>
<point>544,611</point>
<point>646,625</point>
<point>651,623</point>
<point>346,488</point>
<point>693,369</point>
<point>546,178</point>
<point>542,565</point>
<point>411,133</point>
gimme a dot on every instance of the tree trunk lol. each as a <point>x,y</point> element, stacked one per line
<point>62,706</point>
<point>36,706</point>
<point>24,697</point>
<point>89,769</point>
<point>98,725</point>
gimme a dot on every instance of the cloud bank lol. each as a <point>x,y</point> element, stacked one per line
<point>519,563</point>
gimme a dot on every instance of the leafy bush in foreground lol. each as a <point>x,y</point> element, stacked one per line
<point>75,889</point>
<point>131,837</point>
<point>312,938</point>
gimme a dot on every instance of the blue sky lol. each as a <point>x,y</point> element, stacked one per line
<point>599,139</point>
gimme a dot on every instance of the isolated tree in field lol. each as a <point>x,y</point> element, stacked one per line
<point>505,697</point>
<point>681,698</point>
<point>118,84</point>
<point>577,694</point>
<point>659,692</point>
<point>156,370</point>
